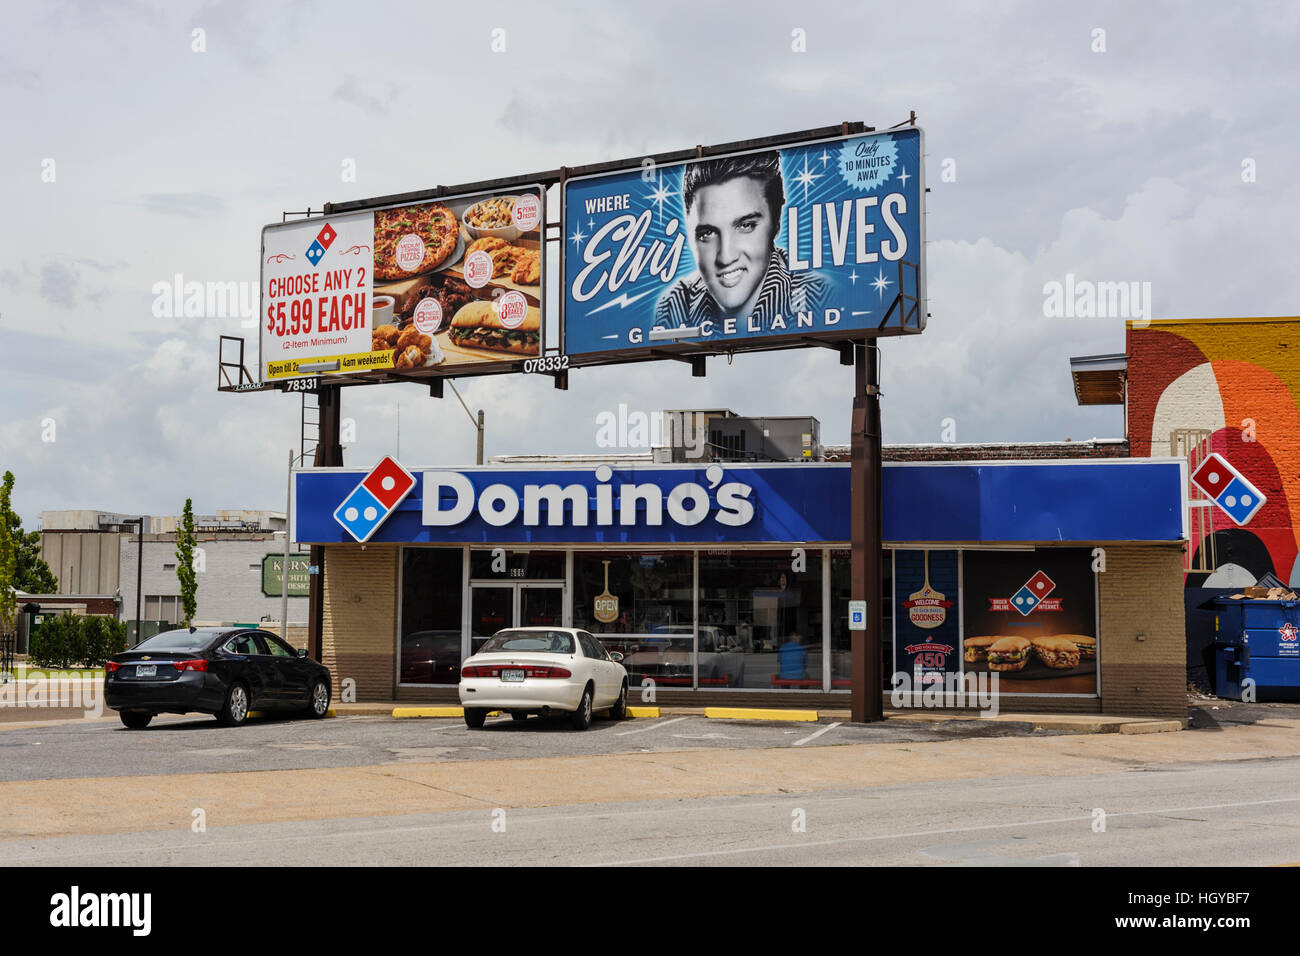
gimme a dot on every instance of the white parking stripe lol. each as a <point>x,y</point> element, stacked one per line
<point>641,730</point>
<point>816,735</point>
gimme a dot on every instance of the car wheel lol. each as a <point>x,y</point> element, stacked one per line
<point>320,699</point>
<point>135,719</point>
<point>519,715</point>
<point>619,710</point>
<point>474,717</point>
<point>582,716</point>
<point>235,710</point>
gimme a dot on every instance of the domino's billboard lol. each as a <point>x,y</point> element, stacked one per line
<point>1114,500</point>
<point>748,249</point>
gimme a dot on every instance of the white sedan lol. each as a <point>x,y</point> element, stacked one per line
<point>543,670</point>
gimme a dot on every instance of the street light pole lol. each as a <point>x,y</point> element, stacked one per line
<point>139,574</point>
<point>476,422</point>
<point>284,571</point>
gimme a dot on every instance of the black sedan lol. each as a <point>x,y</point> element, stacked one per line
<point>214,670</point>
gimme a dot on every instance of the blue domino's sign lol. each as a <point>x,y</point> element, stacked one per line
<point>814,239</point>
<point>1117,500</point>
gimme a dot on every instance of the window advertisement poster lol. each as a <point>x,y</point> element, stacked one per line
<point>927,640</point>
<point>748,249</point>
<point>440,285</point>
<point>1031,617</point>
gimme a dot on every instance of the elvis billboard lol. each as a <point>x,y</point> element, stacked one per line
<point>749,249</point>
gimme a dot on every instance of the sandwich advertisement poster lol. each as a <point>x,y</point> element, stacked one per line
<point>1031,617</point>
<point>747,248</point>
<point>927,644</point>
<point>431,286</point>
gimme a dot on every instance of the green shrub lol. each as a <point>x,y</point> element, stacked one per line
<point>105,637</point>
<point>71,641</point>
<point>54,643</point>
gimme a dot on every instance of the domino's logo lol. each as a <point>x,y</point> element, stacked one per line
<point>324,238</point>
<point>1032,592</point>
<point>1031,597</point>
<point>372,501</point>
<point>1235,496</point>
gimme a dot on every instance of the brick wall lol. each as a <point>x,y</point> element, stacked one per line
<point>359,629</point>
<point>1141,592</point>
<point>1229,376</point>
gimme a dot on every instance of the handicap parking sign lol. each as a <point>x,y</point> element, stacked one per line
<point>857,615</point>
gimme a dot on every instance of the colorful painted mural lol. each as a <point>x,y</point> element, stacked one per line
<point>1239,381</point>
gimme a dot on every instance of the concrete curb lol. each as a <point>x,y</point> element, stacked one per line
<point>1152,727</point>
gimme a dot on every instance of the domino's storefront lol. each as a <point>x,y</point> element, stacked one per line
<point>731,582</point>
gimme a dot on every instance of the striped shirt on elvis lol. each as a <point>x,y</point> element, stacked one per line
<point>689,303</point>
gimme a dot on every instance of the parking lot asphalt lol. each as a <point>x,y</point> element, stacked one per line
<point>179,745</point>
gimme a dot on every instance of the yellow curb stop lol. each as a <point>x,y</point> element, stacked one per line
<point>428,711</point>
<point>643,711</point>
<point>758,713</point>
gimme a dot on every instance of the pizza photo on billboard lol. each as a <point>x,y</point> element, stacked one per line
<point>431,227</point>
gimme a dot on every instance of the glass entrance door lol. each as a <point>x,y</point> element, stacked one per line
<point>540,605</point>
<point>493,607</point>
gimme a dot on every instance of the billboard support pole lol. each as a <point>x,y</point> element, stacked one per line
<point>866,703</point>
<point>329,453</point>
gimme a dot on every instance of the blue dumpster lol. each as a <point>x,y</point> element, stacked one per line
<point>1257,641</point>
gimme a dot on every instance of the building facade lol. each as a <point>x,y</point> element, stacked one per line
<point>731,582</point>
<point>238,556</point>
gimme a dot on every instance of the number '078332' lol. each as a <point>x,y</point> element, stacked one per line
<point>547,363</point>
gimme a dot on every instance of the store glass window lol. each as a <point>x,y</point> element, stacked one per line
<point>841,572</point>
<point>760,620</point>
<point>432,589</point>
<point>513,564</point>
<point>640,604</point>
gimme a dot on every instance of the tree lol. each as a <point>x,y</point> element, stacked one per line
<point>8,558</point>
<point>185,563</point>
<point>34,575</point>
<point>29,573</point>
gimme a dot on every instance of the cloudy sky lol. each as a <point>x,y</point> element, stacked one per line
<point>1105,140</point>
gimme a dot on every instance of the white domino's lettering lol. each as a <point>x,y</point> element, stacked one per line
<point>450,499</point>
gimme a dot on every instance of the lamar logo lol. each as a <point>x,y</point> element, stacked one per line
<point>75,909</point>
<point>1032,596</point>
<point>324,238</point>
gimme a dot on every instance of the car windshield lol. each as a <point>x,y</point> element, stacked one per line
<point>545,642</point>
<point>175,641</point>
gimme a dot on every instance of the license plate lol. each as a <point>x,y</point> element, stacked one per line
<point>146,670</point>
<point>512,674</point>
